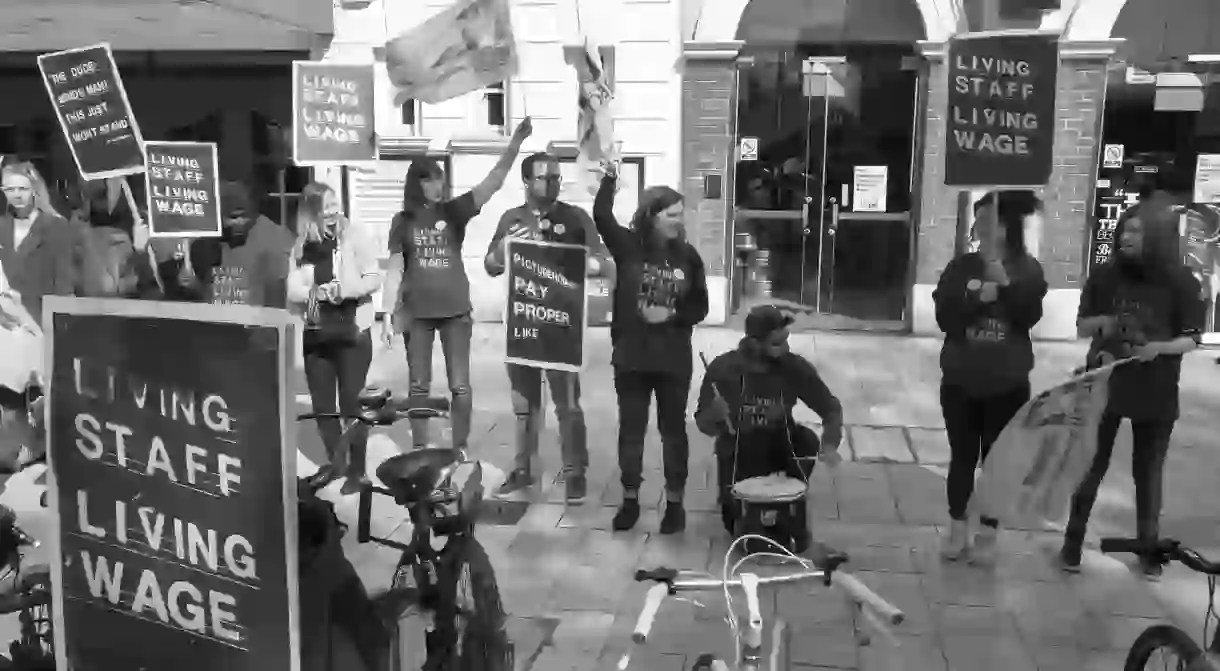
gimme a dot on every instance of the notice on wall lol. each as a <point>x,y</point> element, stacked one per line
<point>1112,156</point>
<point>333,113</point>
<point>1207,178</point>
<point>174,486</point>
<point>93,111</point>
<point>1110,204</point>
<point>1001,116</point>
<point>868,188</point>
<point>544,318</point>
<point>183,198</point>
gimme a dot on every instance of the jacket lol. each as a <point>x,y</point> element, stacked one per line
<point>358,273</point>
<point>47,262</point>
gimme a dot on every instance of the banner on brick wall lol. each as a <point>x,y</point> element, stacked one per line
<point>1000,122</point>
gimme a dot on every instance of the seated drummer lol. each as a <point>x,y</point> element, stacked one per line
<point>746,401</point>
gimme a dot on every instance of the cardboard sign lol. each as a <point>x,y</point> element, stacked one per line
<point>544,319</point>
<point>93,111</point>
<point>1001,116</point>
<point>183,197</point>
<point>333,110</point>
<point>172,474</point>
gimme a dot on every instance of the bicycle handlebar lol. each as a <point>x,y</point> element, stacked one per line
<point>1164,551</point>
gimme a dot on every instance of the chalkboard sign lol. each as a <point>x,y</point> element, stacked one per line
<point>544,319</point>
<point>93,111</point>
<point>183,199</point>
<point>333,107</point>
<point>1001,116</point>
<point>172,476</point>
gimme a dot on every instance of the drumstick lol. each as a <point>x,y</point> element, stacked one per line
<point>716,391</point>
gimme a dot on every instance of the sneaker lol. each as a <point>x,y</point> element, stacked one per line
<point>354,484</point>
<point>628,514</point>
<point>986,546</point>
<point>576,487</point>
<point>674,519</point>
<point>516,481</point>
<point>1151,569</point>
<point>955,545</point>
<point>1068,558</point>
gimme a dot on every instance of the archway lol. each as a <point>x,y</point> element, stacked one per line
<point>719,21</point>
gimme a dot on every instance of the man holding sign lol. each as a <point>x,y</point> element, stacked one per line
<point>544,218</point>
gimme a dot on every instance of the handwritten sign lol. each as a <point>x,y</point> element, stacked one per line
<point>333,107</point>
<point>93,111</point>
<point>1001,117</point>
<point>174,485</point>
<point>545,316</point>
<point>183,200</point>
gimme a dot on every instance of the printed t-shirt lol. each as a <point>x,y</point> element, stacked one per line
<point>430,240</point>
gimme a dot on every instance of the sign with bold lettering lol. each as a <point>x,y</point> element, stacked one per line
<point>173,481</point>
<point>183,199</point>
<point>93,111</point>
<point>332,111</point>
<point>1000,125</point>
<point>544,319</point>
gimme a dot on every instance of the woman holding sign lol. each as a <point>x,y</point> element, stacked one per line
<point>335,273</point>
<point>660,296</point>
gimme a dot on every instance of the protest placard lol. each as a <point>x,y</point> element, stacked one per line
<point>93,111</point>
<point>172,474</point>
<point>333,113</point>
<point>1001,116</point>
<point>183,197</point>
<point>544,319</point>
<point>464,48</point>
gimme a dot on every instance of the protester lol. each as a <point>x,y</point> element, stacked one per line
<point>544,217</point>
<point>335,273</point>
<point>114,250</point>
<point>1143,303</point>
<point>660,296</point>
<point>427,291</point>
<point>39,250</point>
<point>247,265</point>
<point>746,401</point>
<point>986,303</point>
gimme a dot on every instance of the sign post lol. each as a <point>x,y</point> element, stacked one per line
<point>172,474</point>
<point>183,192</point>
<point>93,111</point>
<point>333,113</point>
<point>544,317</point>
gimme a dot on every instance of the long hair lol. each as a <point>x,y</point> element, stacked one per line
<point>42,194</point>
<point>310,227</point>
<point>1012,208</point>
<point>1161,248</point>
<point>412,191</point>
<point>654,200</point>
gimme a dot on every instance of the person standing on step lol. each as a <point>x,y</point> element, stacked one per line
<point>986,303</point>
<point>660,295</point>
<point>427,292</point>
<point>1144,303</point>
<point>544,217</point>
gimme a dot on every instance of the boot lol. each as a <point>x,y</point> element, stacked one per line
<point>954,546</point>
<point>628,513</point>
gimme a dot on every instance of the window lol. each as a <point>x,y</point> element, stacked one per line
<point>275,181</point>
<point>492,108</point>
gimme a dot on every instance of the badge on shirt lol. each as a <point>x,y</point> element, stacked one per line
<point>440,225</point>
<point>679,274</point>
<point>974,284</point>
<point>559,229</point>
<point>544,224</point>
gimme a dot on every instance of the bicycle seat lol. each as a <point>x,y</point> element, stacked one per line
<point>374,398</point>
<point>411,477</point>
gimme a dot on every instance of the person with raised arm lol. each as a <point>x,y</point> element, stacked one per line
<point>427,292</point>
<point>660,295</point>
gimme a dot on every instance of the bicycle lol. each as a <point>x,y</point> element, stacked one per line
<point>453,591</point>
<point>877,611</point>
<point>29,595</point>
<point>1165,637</point>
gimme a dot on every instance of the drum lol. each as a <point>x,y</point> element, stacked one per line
<point>772,506</point>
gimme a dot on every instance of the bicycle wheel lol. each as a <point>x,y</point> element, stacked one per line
<point>408,640</point>
<point>470,632</point>
<point>1165,648</point>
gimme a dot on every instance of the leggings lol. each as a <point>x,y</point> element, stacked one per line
<point>973,423</point>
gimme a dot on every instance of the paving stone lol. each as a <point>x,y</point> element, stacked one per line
<point>1058,657</point>
<point>832,647</point>
<point>913,653</point>
<point>919,494</point>
<point>931,446</point>
<point>981,651</point>
<point>880,444</point>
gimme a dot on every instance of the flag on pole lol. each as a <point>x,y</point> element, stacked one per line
<point>1043,454</point>
<point>466,47</point>
<point>595,121</point>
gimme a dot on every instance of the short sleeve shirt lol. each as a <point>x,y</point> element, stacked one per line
<point>435,285</point>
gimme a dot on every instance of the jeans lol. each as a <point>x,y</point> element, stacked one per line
<point>1149,446</point>
<point>455,335</point>
<point>335,373</point>
<point>762,455</point>
<point>635,391</point>
<point>973,423</point>
<point>526,383</point>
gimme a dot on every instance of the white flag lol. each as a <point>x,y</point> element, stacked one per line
<point>467,47</point>
<point>595,121</point>
<point>1043,454</point>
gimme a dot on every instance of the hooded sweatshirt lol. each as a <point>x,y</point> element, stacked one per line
<point>246,270</point>
<point>649,274</point>
<point>987,349</point>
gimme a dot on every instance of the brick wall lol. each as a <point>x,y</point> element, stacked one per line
<point>708,120</point>
<point>1079,101</point>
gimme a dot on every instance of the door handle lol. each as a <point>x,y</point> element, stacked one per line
<point>833,228</point>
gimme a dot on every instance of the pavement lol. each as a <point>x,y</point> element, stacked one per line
<point>566,579</point>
